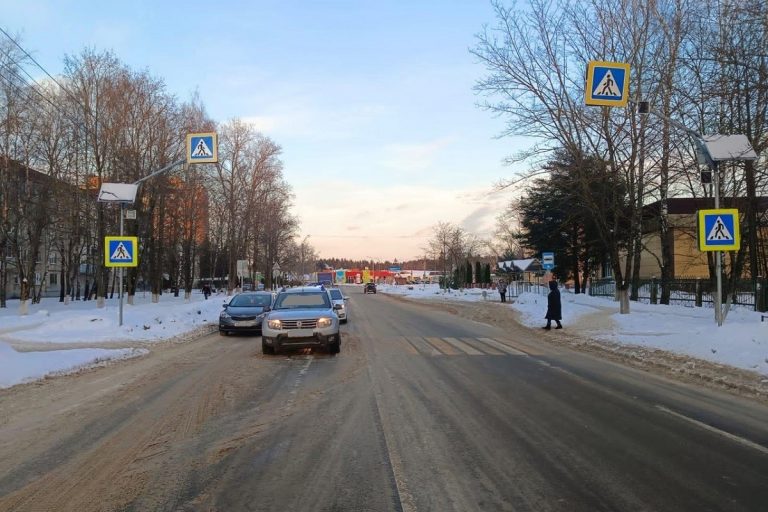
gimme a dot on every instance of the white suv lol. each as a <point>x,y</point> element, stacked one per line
<point>301,318</point>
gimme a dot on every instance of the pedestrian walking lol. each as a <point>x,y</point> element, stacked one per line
<point>502,287</point>
<point>554,309</point>
<point>206,290</point>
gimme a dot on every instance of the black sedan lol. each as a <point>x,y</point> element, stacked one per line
<point>245,312</point>
<point>369,288</point>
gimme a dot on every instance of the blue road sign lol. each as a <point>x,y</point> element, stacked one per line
<point>719,230</point>
<point>607,84</point>
<point>121,251</point>
<point>547,260</point>
<point>202,148</point>
<point>394,269</point>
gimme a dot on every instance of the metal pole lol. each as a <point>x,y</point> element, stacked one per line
<point>120,293</point>
<point>718,254</point>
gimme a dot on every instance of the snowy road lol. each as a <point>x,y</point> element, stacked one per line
<point>422,410</point>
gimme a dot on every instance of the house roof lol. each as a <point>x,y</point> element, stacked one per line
<point>527,265</point>
<point>690,205</point>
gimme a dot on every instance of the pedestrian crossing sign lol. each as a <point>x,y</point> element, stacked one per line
<point>202,148</point>
<point>120,251</point>
<point>719,230</point>
<point>607,84</point>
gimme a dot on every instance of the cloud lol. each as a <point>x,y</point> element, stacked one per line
<point>387,221</point>
<point>414,157</point>
<point>479,220</point>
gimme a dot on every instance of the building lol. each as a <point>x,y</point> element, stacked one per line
<point>687,260</point>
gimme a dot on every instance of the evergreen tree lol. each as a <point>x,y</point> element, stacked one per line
<point>467,273</point>
<point>479,276</point>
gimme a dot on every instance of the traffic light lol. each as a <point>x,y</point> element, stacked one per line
<point>643,107</point>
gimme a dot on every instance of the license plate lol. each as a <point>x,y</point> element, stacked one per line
<point>300,333</point>
<point>245,323</point>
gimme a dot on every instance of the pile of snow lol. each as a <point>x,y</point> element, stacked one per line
<point>20,367</point>
<point>81,323</point>
<point>433,291</point>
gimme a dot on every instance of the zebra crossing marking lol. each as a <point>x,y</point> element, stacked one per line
<point>443,346</point>
<point>482,347</point>
<point>467,349</point>
<point>502,346</point>
<point>422,346</point>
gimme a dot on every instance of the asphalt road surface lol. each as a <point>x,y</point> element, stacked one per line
<point>421,411</point>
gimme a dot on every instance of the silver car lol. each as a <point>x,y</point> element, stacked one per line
<point>339,299</point>
<point>302,318</point>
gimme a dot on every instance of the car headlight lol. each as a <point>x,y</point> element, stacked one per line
<point>275,324</point>
<point>224,315</point>
<point>323,322</point>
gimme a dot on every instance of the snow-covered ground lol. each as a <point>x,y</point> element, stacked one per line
<point>32,346</point>
<point>56,338</point>
<point>741,342</point>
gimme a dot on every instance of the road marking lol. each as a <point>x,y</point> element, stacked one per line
<point>463,347</point>
<point>443,347</point>
<point>297,383</point>
<point>404,497</point>
<point>746,442</point>
<point>510,344</point>
<point>482,347</point>
<point>422,346</point>
<point>407,346</point>
<point>503,347</point>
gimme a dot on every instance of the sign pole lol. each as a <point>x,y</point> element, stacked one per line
<point>120,294</point>
<point>718,254</point>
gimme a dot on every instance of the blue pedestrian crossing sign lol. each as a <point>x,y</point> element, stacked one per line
<point>607,84</point>
<point>202,148</point>
<point>719,230</point>
<point>121,251</point>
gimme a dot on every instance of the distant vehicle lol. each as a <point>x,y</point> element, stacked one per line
<point>245,313</point>
<point>339,299</point>
<point>303,317</point>
<point>369,288</point>
<point>325,278</point>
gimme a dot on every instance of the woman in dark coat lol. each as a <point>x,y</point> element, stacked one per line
<point>554,309</point>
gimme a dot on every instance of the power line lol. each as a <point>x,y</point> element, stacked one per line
<point>25,52</point>
<point>29,87</point>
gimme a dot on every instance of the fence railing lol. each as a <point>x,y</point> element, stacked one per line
<point>689,292</point>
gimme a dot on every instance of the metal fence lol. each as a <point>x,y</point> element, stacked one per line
<point>515,288</point>
<point>689,292</point>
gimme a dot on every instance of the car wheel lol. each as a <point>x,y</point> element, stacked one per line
<point>335,347</point>
<point>345,320</point>
<point>266,349</point>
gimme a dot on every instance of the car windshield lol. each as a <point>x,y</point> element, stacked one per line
<point>336,294</point>
<point>302,300</point>
<point>245,301</point>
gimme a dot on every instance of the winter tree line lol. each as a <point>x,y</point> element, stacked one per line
<point>101,121</point>
<point>594,170</point>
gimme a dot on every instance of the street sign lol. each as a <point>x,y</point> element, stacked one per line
<point>242,268</point>
<point>607,84</point>
<point>202,148</point>
<point>121,251</point>
<point>547,260</point>
<point>394,269</point>
<point>719,230</point>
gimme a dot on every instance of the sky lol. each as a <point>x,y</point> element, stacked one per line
<point>57,338</point>
<point>371,101</point>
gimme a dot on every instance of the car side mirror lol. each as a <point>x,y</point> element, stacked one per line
<point>346,298</point>
<point>267,308</point>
